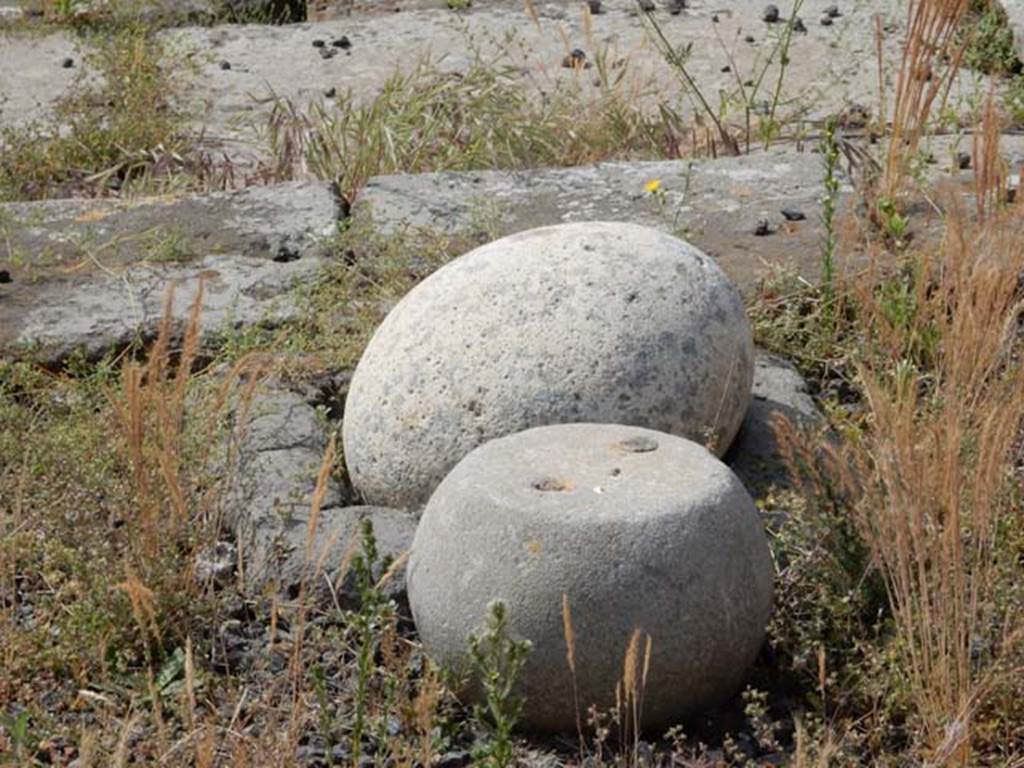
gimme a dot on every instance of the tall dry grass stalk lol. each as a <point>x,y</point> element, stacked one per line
<point>569,632</point>
<point>990,172</point>
<point>934,478</point>
<point>629,692</point>
<point>150,411</point>
<point>930,59</point>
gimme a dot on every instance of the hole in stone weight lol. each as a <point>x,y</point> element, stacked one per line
<point>552,484</point>
<point>639,444</point>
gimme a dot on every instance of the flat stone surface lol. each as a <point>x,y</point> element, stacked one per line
<point>714,204</point>
<point>31,75</point>
<point>828,74</point>
<point>1015,17</point>
<point>93,275</point>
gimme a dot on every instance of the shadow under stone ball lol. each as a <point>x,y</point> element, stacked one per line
<point>601,322</point>
<point>638,529</point>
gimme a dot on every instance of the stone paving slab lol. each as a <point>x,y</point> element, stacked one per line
<point>91,275</point>
<point>715,204</point>
<point>832,66</point>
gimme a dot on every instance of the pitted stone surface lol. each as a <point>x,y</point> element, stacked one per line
<point>665,539</point>
<point>593,321</point>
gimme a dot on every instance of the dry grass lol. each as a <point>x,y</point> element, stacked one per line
<point>930,58</point>
<point>930,473</point>
<point>935,476</point>
<point>898,629</point>
<point>430,120</point>
<point>119,130</point>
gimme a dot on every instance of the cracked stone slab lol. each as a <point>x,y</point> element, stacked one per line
<point>92,275</point>
<point>714,204</point>
<point>278,446</point>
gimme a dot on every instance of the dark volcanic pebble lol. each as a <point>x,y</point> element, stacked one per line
<point>833,12</point>
<point>342,42</point>
<point>330,93</point>
<point>67,62</point>
<point>318,43</point>
<point>792,214</point>
<point>727,68</point>
<point>675,7</point>
<point>763,228</point>
<point>647,6</point>
<point>771,14</point>
<point>5,276</point>
<point>798,25</point>
<point>749,38</point>
<point>714,18</point>
<point>595,6</point>
<point>963,160</point>
<point>826,21</point>
<point>575,59</point>
<point>225,65</point>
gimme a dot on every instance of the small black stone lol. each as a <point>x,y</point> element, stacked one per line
<point>286,254</point>
<point>833,12</point>
<point>5,276</point>
<point>331,92</point>
<point>225,65</point>
<point>342,42</point>
<point>771,14</point>
<point>727,68</point>
<point>318,43</point>
<point>963,160</point>
<point>798,25</point>
<point>748,83</point>
<point>67,62</point>
<point>763,228</point>
<point>792,214</point>
<point>647,6</point>
<point>595,6</point>
<point>749,38</point>
<point>675,7</point>
<point>826,21</point>
<point>575,59</point>
<point>714,18</point>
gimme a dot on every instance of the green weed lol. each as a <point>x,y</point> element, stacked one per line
<point>486,117</point>
<point>109,136</point>
<point>497,660</point>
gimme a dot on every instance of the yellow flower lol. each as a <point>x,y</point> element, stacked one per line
<point>653,186</point>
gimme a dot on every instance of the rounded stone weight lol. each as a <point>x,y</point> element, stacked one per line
<point>588,322</point>
<point>638,529</point>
